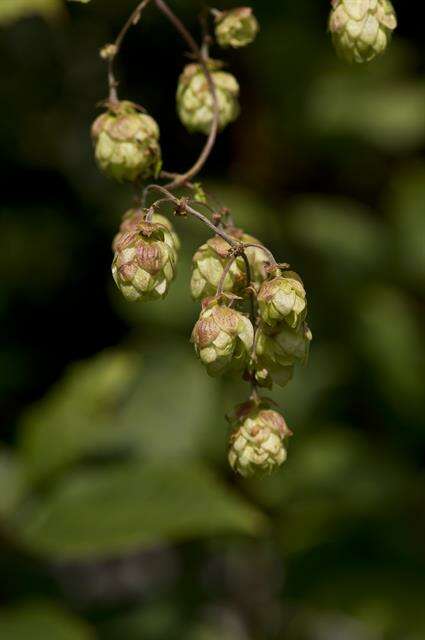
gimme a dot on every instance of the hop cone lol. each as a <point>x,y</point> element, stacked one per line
<point>127,143</point>
<point>361,29</point>
<point>145,262</point>
<point>278,352</point>
<point>283,299</point>
<point>211,259</point>
<point>257,443</point>
<point>236,28</point>
<point>223,339</point>
<point>195,104</point>
<point>134,218</point>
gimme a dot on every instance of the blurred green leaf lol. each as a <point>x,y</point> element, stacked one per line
<point>407,208</point>
<point>116,510</point>
<point>343,232</point>
<point>390,340</point>
<point>388,114</point>
<point>11,10</point>
<point>163,409</point>
<point>43,621</point>
<point>174,404</point>
<point>12,482</point>
<point>79,415</point>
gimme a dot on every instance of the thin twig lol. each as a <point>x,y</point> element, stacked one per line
<point>133,19</point>
<point>220,289</point>
<point>180,180</point>
<point>181,202</point>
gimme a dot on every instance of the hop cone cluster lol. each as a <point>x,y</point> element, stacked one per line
<point>283,338</point>
<point>126,143</point>
<point>278,351</point>
<point>211,259</point>
<point>257,442</point>
<point>361,29</point>
<point>145,257</point>
<point>223,339</point>
<point>236,28</point>
<point>195,103</point>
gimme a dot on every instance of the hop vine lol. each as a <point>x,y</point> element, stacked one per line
<point>252,321</point>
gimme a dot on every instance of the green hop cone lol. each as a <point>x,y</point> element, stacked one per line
<point>283,298</point>
<point>257,443</point>
<point>136,217</point>
<point>223,339</point>
<point>127,143</point>
<point>236,28</point>
<point>145,262</point>
<point>211,259</point>
<point>195,104</point>
<point>361,29</point>
<point>277,352</point>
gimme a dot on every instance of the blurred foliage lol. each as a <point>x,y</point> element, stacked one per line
<point>119,518</point>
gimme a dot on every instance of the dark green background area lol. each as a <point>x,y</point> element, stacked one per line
<point>119,517</point>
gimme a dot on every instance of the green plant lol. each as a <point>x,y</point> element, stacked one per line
<point>242,288</point>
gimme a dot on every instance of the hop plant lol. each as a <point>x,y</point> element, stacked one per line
<point>252,317</point>
<point>210,261</point>
<point>277,352</point>
<point>257,442</point>
<point>126,143</point>
<point>195,104</point>
<point>145,261</point>
<point>361,29</point>
<point>236,28</point>
<point>283,298</point>
<point>223,339</point>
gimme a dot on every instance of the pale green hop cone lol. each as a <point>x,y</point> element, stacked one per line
<point>223,339</point>
<point>283,298</point>
<point>211,259</point>
<point>236,28</point>
<point>195,105</point>
<point>361,29</point>
<point>278,352</point>
<point>127,143</point>
<point>134,219</point>
<point>257,443</point>
<point>144,264</point>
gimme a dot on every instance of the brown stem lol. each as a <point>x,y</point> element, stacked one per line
<point>133,19</point>
<point>225,273</point>
<point>202,58</point>
<point>273,261</point>
<point>177,180</point>
<point>180,202</point>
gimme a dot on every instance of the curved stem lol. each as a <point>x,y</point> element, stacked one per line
<point>202,58</point>
<point>183,204</point>
<point>177,180</point>
<point>225,273</point>
<point>133,19</point>
<point>273,261</point>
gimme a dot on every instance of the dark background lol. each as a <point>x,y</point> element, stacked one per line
<point>120,518</point>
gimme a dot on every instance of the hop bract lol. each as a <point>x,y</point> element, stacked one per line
<point>145,261</point>
<point>223,339</point>
<point>257,443</point>
<point>195,103</point>
<point>211,259</point>
<point>278,352</point>
<point>236,28</point>
<point>127,143</point>
<point>283,299</point>
<point>361,29</point>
